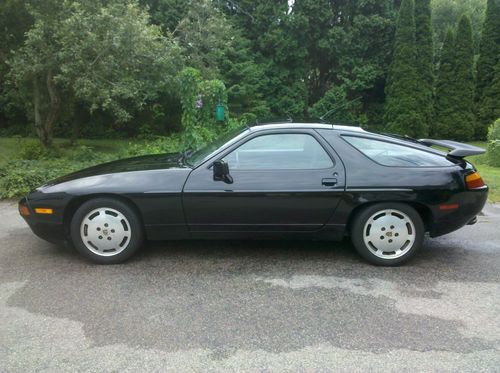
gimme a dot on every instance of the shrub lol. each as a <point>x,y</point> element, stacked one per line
<point>19,177</point>
<point>31,149</point>
<point>157,146</point>
<point>83,153</point>
<point>493,152</point>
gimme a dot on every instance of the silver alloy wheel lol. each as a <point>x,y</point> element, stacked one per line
<point>389,234</point>
<point>105,231</point>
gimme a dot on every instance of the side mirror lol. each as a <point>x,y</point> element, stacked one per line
<point>221,172</point>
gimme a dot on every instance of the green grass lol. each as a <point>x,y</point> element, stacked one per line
<point>9,146</point>
<point>490,174</point>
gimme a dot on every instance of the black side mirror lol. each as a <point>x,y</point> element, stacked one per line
<point>221,172</point>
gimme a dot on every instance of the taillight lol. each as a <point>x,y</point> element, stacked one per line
<point>474,181</point>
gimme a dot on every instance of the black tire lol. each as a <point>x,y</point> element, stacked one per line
<point>133,231</point>
<point>358,233</point>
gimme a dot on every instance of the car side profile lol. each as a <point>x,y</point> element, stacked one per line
<point>269,181</point>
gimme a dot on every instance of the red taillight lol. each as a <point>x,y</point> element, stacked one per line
<point>474,181</point>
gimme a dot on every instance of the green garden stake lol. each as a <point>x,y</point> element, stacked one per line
<point>219,113</point>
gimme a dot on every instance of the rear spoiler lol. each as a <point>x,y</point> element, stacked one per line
<point>456,149</point>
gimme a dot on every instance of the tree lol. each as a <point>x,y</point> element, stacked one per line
<point>455,90</point>
<point>443,107</point>
<point>103,53</point>
<point>198,100</point>
<point>402,112</point>
<point>462,122</point>
<point>488,58</point>
<point>204,35</point>
<point>167,13</point>
<point>425,52</point>
<point>15,21</point>
<point>447,13</point>
<point>490,105</point>
<point>215,47</point>
<point>347,48</point>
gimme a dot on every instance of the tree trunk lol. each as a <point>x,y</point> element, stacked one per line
<point>54,107</point>
<point>44,122</point>
<point>39,125</point>
<point>77,123</point>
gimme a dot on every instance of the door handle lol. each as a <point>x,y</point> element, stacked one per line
<point>329,182</point>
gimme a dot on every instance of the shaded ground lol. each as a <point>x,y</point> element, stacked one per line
<point>250,306</point>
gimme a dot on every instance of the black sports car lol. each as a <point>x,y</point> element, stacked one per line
<point>281,180</point>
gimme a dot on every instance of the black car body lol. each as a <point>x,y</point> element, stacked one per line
<point>176,196</point>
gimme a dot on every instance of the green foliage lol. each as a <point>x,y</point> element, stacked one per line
<point>493,152</point>
<point>335,97</point>
<point>31,150</point>
<point>489,106</point>
<point>171,144</point>
<point>104,54</point>
<point>110,68</point>
<point>403,91</point>
<point>446,13</point>
<point>167,13</point>
<point>488,59</point>
<point>454,103</point>
<point>425,50</point>
<point>443,106</point>
<point>463,121</point>
<point>198,99</point>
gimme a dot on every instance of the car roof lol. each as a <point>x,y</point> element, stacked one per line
<point>295,125</point>
<point>341,128</point>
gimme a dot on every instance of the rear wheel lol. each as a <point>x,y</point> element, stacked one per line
<point>388,233</point>
<point>106,230</point>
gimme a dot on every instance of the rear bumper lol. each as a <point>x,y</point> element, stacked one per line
<point>470,205</point>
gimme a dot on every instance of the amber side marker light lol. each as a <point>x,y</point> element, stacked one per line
<point>43,211</point>
<point>474,181</point>
<point>24,210</point>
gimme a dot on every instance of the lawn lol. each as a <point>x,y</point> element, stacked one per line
<point>491,175</point>
<point>9,148</point>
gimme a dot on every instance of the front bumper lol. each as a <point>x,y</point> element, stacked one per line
<point>47,228</point>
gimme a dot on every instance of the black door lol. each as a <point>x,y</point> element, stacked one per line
<point>281,182</point>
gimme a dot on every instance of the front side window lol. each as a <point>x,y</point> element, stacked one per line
<point>390,154</point>
<point>279,152</point>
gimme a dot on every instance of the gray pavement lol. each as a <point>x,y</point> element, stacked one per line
<point>250,306</point>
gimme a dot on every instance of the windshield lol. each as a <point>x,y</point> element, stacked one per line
<point>199,156</point>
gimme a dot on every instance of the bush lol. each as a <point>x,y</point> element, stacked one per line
<point>493,152</point>
<point>83,153</point>
<point>159,145</point>
<point>19,177</point>
<point>31,150</point>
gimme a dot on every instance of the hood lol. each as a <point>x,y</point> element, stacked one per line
<point>141,163</point>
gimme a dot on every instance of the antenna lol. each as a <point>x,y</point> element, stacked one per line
<point>322,118</point>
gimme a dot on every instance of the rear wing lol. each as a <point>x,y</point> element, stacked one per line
<point>456,149</point>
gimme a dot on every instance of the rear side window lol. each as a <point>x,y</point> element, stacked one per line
<point>390,154</point>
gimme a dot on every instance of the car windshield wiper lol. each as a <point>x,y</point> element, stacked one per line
<point>185,155</point>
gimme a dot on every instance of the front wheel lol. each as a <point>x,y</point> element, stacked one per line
<point>388,233</point>
<point>106,230</point>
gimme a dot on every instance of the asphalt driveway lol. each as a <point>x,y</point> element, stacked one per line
<point>250,306</point>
